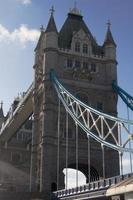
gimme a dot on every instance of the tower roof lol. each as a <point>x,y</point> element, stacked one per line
<point>109,38</point>
<point>51,27</point>
<point>73,23</point>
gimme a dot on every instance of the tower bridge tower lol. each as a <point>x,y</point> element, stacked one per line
<point>88,69</point>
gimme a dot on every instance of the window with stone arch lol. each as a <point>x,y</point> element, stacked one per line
<point>77,46</point>
<point>85,48</point>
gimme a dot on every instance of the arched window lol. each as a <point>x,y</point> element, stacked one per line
<point>85,48</point>
<point>77,47</point>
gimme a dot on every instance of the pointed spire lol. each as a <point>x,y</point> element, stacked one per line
<point>51,27</point>
<point>1,110</point>
<point>109,38</point>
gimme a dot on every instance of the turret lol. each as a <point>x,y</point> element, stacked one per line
<point>1,115</point>
<point>109,44</point>
<point>51,33</point>
<point>50,46</point>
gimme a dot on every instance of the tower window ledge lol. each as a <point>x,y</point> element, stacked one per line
<point>64,50</point>
<point>98,56</point>
<point>86,54</point>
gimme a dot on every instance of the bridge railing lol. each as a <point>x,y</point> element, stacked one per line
<point>92,186</point>
<point>18,108</point>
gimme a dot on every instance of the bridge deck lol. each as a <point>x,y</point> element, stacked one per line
<point>123,187</point>
<point>18,117</point>
<point>94,189</point>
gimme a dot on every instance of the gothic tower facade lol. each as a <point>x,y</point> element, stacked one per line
<point>88,69</point>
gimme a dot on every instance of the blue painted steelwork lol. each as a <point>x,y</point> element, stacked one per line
<point>70,102</point>
<point>127,98</point>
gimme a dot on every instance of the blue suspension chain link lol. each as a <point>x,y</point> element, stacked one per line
<point>127,98</point>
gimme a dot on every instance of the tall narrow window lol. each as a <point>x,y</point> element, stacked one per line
<point>93,67</point>
<point>77,64</point>
<point>69,63</point>
<point>85,48</point>
<point>77,47</point>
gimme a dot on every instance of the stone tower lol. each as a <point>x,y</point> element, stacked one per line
<point>88,69</point>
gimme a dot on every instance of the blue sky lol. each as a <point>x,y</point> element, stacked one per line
<point>19,30</point>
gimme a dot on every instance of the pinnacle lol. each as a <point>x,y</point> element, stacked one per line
<point>109,38</point>
<point>51,27</point>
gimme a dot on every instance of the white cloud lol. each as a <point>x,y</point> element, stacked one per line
<point>126,165</point>
<point>25,2</point>
<point>126,162</point>
<point>22,35</point>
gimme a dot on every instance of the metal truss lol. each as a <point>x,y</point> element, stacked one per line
<point>103,128</point>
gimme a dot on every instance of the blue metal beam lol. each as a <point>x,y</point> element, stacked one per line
<point>127,98</point>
